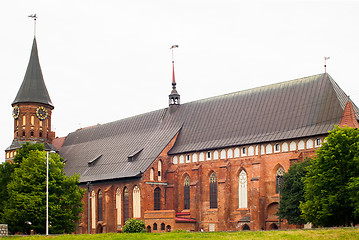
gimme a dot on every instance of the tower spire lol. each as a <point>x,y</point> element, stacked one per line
<point>174,97</point>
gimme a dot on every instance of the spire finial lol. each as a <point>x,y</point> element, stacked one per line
<point>173,64</point>
<point>33,16</point>
<point>174,97</point>
<point>325,63</point>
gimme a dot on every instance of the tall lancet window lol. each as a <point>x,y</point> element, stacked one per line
<point>93,209</point>
<point>187,193</point>
<point>279,179</point>
<point>213,191</point>
<point>99,206</point>
<point>118,207</point>
<point>243,199</point>
<point>157,199</point>
<point>136,202</point>
<point>126,207</point>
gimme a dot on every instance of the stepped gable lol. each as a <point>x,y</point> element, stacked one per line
<point>126,148</point>
<point>33,88</point>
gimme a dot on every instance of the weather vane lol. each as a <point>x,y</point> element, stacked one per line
<point>173,46</point>
<point>33,16</point>
<point>325,63</point>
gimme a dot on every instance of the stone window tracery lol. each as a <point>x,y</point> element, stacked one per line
<point>187,193</point>
<point>279,179</point>
<point>243,190</point>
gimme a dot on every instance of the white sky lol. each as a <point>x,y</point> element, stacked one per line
<point>107,60</point>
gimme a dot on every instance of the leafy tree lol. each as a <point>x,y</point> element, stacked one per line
<point>331,186</point>
<point>292,193</point>
<point>134,226</point>
<point>27,195</point>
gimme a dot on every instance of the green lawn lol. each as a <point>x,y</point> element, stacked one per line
<point>337,233</point>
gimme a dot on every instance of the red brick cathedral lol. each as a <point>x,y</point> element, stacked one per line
<point>214,164</point>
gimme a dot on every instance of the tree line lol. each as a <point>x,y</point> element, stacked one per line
<point>324,190</point>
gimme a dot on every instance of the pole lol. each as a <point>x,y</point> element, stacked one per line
<point>47,193</point>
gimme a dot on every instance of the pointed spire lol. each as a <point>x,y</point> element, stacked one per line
<point>174,97</point>
<point>33,88</point>
<point>349,119</point>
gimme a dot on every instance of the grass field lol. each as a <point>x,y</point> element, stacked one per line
<point>335,233</point>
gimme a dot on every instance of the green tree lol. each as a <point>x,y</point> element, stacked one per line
<point>7,168</point>
<point>292,193</point>
<point>27,196</point>
<point>330,197</point>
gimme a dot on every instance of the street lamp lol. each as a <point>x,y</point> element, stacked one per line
<point>47,191</point>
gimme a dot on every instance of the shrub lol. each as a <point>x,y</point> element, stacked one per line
<point>134,226</point>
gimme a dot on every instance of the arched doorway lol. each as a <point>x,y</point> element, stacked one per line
<point>99,228</point>
<point>273,226</point>
<point>246,227</point>
<point>168,228</point>
<point>149,228</point>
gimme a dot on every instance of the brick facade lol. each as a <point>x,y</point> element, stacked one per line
<point>262,203</point>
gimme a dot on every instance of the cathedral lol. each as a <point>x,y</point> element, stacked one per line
<point>214,164</point>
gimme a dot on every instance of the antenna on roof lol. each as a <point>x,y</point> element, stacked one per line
<point>325,63</point>
<point>33,16</point>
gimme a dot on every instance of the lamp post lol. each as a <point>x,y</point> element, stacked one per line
<point>47,191</point>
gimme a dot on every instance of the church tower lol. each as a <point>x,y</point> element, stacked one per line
<point>32,109</point>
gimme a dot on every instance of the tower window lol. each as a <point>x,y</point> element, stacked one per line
<point>23,133</point>
<point>40,134</point>
<point>32,120</point>
<point>31,133</point>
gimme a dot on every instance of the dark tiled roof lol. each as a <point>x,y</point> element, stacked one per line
<point>298,108</point>
<point>18,144</point>
<point>33,88</point>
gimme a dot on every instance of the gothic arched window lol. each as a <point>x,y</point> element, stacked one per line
<point>99,206</point>
<point>213,191</point>
<point>136,202</point>
<point>126,211</point>
<point>187,193</point>
<point>118,207</point>
<point>279,179</point>
<point>242,190</point>
<point>157,199</point>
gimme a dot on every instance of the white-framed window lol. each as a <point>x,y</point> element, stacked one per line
<point>215,155</point>
<point>318,142</point>
<point>159,170</point>
<point>276,147</point>
<point>93,209</point>
<point>269,149</point>
<point>242,196</point>
<point>181,159</point>
<point>188,158</point>
<point>236,152</point>
<point>285,147</point>
<point>201,157</point>
<point>309,143</point>
<point>194,157</point>
<point>152,174</point>
<point>209,155</point>
<point>244,151</point>
<point>118,208</point>
<point>175,160</point>
<point>292,146</point>
<point>230,153</point>
<point>301,145</point>
<point>223,154</point>
<point>136,202</point>
<point>250,151</point>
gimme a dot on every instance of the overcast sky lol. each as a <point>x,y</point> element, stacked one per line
<point>107,60</point>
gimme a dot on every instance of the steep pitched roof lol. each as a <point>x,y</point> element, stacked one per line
<point>33,88</point>
<point>298,108</point>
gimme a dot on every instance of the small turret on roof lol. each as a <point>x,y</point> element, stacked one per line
<point>33,88</point>
<point>174,97</point>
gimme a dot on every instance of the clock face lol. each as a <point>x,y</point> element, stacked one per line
<point>15,112</point>
<point>41,113</point>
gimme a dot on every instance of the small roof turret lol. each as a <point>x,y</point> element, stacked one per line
<point>33,88</point>
<point>174,97</point>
